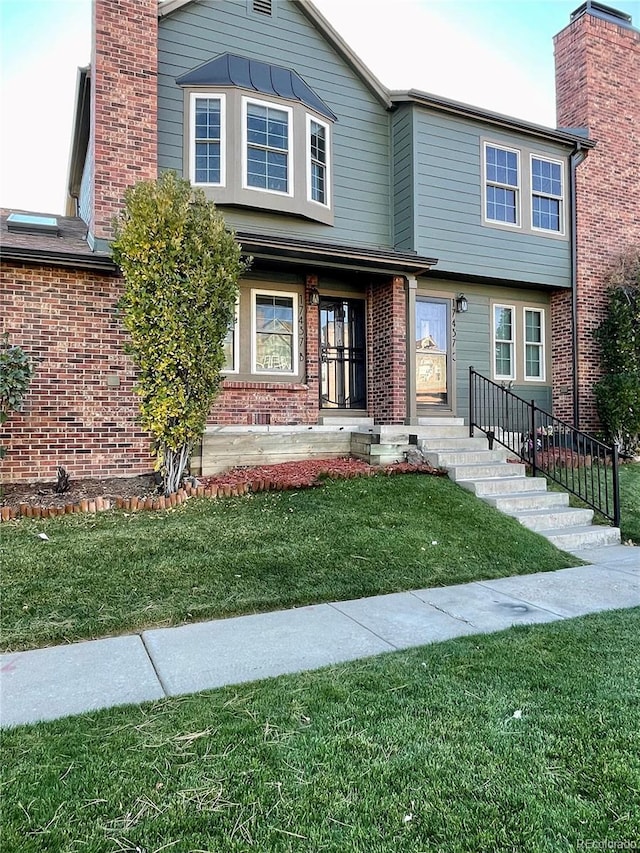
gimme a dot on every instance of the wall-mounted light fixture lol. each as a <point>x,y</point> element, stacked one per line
<point>462,304</point>
<point>314,296</point>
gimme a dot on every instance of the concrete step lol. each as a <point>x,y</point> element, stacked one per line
<point>497,470</point>
<point>557,518</point>
<point>389,449</point>
<point>439,431</point>
<point>448,421</point>
<point>504,486</point>
<point>452,458</point>
<point>337,421</point>
<point>575,538</point>
<point>530,500</point>
<point>445,442</point>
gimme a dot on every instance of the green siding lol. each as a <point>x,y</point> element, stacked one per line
<point>448,205</point>
<point>361,136</point>
<point>403,179</point>
<point>473,336</point>
<point>85,200</point>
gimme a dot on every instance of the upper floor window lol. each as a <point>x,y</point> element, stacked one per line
<point>256,135</point>
<point>502,185</point>
<point>266,149</point>
<point>207,140</point>
<point>523,189</point>
<point>546,194</point>
<point>317,161</point>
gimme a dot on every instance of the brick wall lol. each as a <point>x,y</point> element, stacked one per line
<point>598,87</point>
<point>562,354</point>
<point>66,320</point>
<point>124,109</point>
<point>387,352</point>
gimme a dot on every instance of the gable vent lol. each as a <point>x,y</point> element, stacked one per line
<point>262,6</point>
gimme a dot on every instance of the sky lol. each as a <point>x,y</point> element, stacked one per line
<point>493,54</point>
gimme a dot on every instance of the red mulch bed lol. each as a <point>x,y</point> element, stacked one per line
<point>286,475</point>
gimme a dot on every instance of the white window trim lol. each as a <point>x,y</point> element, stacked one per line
<point>192,137</point>
<point>561,198</point>
<point>514,320</point>
<point>327,178</point>
<point>236,342</point>
<point>290,151</point>
<point>295,354</point>
<point>541,345</point>
<point>485,182</point>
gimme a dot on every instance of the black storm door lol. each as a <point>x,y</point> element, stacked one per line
<point>342,354</point>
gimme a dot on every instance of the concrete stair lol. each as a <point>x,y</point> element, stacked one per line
<point>503,485</point>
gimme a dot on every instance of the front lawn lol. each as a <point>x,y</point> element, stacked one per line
<point>105,574</point>
<point>630,502</point>
<point>526,740</point>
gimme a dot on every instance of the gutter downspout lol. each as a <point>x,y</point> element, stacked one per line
<point>577,157</point>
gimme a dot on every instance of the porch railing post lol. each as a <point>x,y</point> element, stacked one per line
<point>616,486</point>
<point>534,441</point>
<point>472,401</point>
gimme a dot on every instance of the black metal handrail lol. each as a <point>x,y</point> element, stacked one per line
<point>575,460</point>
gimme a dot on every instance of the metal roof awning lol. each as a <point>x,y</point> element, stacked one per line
<point>263,77</point>
<point>334,256</point>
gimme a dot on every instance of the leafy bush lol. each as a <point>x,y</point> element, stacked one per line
<point>618,392</point>
<point>181,268</point>
<point>16,371</point>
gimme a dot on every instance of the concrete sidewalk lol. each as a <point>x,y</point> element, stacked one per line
<point>62,680</point>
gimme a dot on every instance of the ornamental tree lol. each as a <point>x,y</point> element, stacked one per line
<point>618,392</point>
<point>181,267</point>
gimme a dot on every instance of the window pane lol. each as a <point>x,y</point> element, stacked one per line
<point>546,213</point>
<point>228,349</point>
<point>274,352</point>
<point>533,327</point>
<point>267,126</point>
<point>533,358</point>
<point>503,359</point>
<point>501,204</point>
<point>546,177</point>
<point>317,183</point>
<point>502,166</point>
<point>318,142</point>
<point>207,118</point>
<point>503,324</point>
<point>207,163</point>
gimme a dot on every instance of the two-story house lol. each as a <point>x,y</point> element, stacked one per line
<point>397,237</point>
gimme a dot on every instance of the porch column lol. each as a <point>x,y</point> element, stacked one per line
<point>411,288</point>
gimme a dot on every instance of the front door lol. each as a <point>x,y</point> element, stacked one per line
<point>342,353</point>
<point>433,352</point>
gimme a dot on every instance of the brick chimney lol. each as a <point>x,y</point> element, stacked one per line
<point>124,104</point>
<point>598,88</point>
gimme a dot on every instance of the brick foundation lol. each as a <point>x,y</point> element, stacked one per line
<point>597,86</point>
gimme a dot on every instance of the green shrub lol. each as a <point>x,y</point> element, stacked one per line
<point>180,266</point>
<point>618,392</point>
<point>16,371</point>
